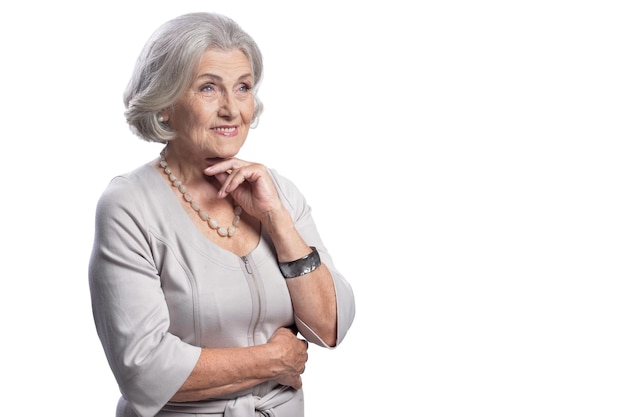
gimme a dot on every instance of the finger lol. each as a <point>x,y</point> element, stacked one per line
<point>250,173</point>
<point>231,173</point>
<point>224,165</point>
<point>221,177</point>
<point>233,180</point>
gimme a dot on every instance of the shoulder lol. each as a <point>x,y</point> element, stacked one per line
<point>126,191</point>
<point>289,193</point>
<point>286,188</point>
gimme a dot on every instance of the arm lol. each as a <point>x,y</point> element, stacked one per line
<point>224,371</point>
<point>152,365</point>
<point>313,294</point>
<point>323,300</point>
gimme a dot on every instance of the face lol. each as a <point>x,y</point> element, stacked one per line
<point>213,117</point>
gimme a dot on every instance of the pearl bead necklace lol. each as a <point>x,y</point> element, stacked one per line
<point>213,224</point>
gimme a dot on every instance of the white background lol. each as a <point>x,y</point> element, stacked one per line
<point>464,161</point>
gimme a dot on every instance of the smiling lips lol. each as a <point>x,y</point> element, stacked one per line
<point>226,131</point>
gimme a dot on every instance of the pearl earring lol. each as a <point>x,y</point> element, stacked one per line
<point>160,118</point>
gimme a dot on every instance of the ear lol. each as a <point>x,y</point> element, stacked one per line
<point>163,117</point>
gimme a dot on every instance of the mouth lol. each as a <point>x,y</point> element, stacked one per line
<point>225,130</point>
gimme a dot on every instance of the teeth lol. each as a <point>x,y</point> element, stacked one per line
<point>225,129</point>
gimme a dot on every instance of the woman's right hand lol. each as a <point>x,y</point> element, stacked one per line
<point>291,357</point>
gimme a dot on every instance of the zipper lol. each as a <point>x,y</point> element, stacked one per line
<point>258,389</point>
<point>246,262</point>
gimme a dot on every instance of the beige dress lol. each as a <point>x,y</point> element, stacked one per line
<point>161,290</point>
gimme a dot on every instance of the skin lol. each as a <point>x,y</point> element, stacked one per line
<point>212,120</point>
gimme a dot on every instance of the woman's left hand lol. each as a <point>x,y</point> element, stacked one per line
<point>249,184</point>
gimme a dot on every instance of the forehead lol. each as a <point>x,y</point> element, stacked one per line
<point>230,63</point>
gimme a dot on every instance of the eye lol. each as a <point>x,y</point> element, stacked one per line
<point>244,88</point>
<point>207,88</point>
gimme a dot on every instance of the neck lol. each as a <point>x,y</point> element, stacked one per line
<point>189,170</point>
<point>223,231</point>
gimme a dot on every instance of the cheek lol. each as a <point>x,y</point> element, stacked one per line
<point>247,109</point>
<point>188,113</point>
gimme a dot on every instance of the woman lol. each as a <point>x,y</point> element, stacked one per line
<point>206,268</point>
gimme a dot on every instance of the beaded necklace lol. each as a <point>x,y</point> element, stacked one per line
<point>213,224</point>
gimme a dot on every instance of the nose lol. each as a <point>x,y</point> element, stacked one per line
<point>228,106</point>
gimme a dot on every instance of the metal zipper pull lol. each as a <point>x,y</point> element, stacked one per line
<point>248,267</point>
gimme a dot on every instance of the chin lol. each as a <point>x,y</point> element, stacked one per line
<point>221,156</point>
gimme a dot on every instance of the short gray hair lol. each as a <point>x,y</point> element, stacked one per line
<point>165,67</point>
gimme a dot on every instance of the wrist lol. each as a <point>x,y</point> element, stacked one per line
<point>277,221</point>
<point>301,266</point>
<point>285,237</point>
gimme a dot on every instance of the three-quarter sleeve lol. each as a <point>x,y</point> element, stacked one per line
<point>130,312</point>
<point>305,224</point>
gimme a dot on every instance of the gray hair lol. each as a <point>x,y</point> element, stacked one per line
<point>165,67</point>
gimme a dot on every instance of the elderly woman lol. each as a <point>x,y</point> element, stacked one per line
<point>208,276</point>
